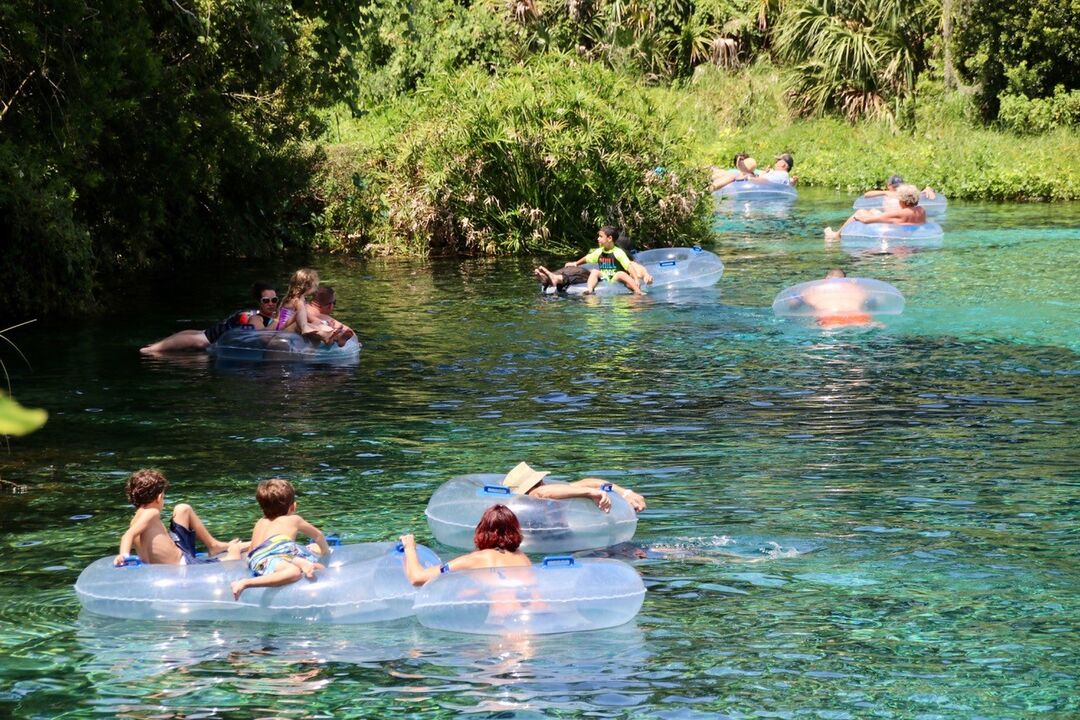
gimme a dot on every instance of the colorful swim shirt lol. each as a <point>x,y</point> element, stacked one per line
<point>609,261</point>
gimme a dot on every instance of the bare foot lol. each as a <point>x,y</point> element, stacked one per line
<point>345,337</point>
<point>235,548</point>
<point>307,569</point>
<point>831,234</point>
<point>237,587</point>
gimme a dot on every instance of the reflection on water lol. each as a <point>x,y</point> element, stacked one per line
<point>849,524</point>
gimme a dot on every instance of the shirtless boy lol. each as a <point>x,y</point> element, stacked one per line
<point>147,534</point>
<point>276,558</point>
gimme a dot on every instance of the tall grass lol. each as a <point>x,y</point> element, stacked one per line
<point>748,111</point>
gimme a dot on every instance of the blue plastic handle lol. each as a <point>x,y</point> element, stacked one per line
<point>567,560</point>
<point>607,487</point>
<point>400,547</point>
<point>697,248</point>
<point>494,490</point>
<point>130,561</point>
<point>667,263</point>
<point>333,540</point>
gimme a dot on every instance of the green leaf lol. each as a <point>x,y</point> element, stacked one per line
<point>17,420</point>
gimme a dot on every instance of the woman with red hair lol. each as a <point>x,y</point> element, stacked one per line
<point>497,538</point>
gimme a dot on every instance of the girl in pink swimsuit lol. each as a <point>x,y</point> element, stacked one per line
<point>292,313</point>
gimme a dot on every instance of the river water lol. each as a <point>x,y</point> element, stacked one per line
<point>840,524</point>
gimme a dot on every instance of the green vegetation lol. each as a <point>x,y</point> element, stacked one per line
<point>136,133</point>
<point>748,112</point>
<point>534,158</point>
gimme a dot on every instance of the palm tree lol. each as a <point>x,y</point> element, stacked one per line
<point>857,57</point>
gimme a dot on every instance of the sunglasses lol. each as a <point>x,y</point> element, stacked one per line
<point>268,301</point>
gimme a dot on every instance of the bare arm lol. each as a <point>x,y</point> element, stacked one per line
<point>567,491</point>
<point>636,501</point>
<point>314,533</point>
<point>139,523</point>
<point>875,193</point>
<point>419,575</point>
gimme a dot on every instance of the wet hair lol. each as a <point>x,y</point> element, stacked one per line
<point>325,295</point>
<point>143,486</point>
<point>302,282</point>
<point>908,195</point>
<point>737,158</point>
<point>258,289</point>
<point>275,497</point>
<point>611,231</point>
<point>835,273</point>
<point>499,529</point>
<point>894,181</point>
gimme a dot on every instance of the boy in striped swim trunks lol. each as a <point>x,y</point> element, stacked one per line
<point>276,558</point>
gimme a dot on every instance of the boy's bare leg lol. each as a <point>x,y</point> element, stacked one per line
<point>594,278</point>
<point>289,573</point>
<point>184,514</point>
<point>307,568</point>
<point>629,282</point>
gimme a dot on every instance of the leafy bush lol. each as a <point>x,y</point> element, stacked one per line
<point>1018,47</point>
<point>533,159</point>
<point>1039,115</point>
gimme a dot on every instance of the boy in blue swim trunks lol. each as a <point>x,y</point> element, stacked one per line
<point>275,557</point>
<point>147,534</point>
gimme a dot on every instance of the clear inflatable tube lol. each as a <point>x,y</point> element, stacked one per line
<point>561,594</point>
<point>758,190</point>
<point>361,583</point>
<point>681,267</point>
<point>927,231</point>
<point>250,345</point>
<point>938,205</point>
<point>839,297</point>
<point>671,269</point>
<point>547,526</point>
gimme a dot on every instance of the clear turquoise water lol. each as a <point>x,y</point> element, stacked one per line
<point>848,525</point>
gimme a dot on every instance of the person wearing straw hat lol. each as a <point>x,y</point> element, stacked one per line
<point>523,480</point>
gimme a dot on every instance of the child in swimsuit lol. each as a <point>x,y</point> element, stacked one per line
<point>276,558</point>
<point>293,315</point>
<point>147,534</point>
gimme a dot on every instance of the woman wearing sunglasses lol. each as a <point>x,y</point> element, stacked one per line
<point>261,318</point>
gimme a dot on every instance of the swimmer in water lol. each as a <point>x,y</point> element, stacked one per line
<point>837,304</point>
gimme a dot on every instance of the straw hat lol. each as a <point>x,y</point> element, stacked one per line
<point>523,478</point>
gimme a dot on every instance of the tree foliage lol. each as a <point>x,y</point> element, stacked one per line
<point>1018,48</point>
<point>532,159</point>
<point>856,57</point>
<point>136,132</point>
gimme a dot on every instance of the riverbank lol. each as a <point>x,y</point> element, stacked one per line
<point>729,113</point>
<point>383,192</point>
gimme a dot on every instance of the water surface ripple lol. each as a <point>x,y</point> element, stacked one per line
<point>841,525</point>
